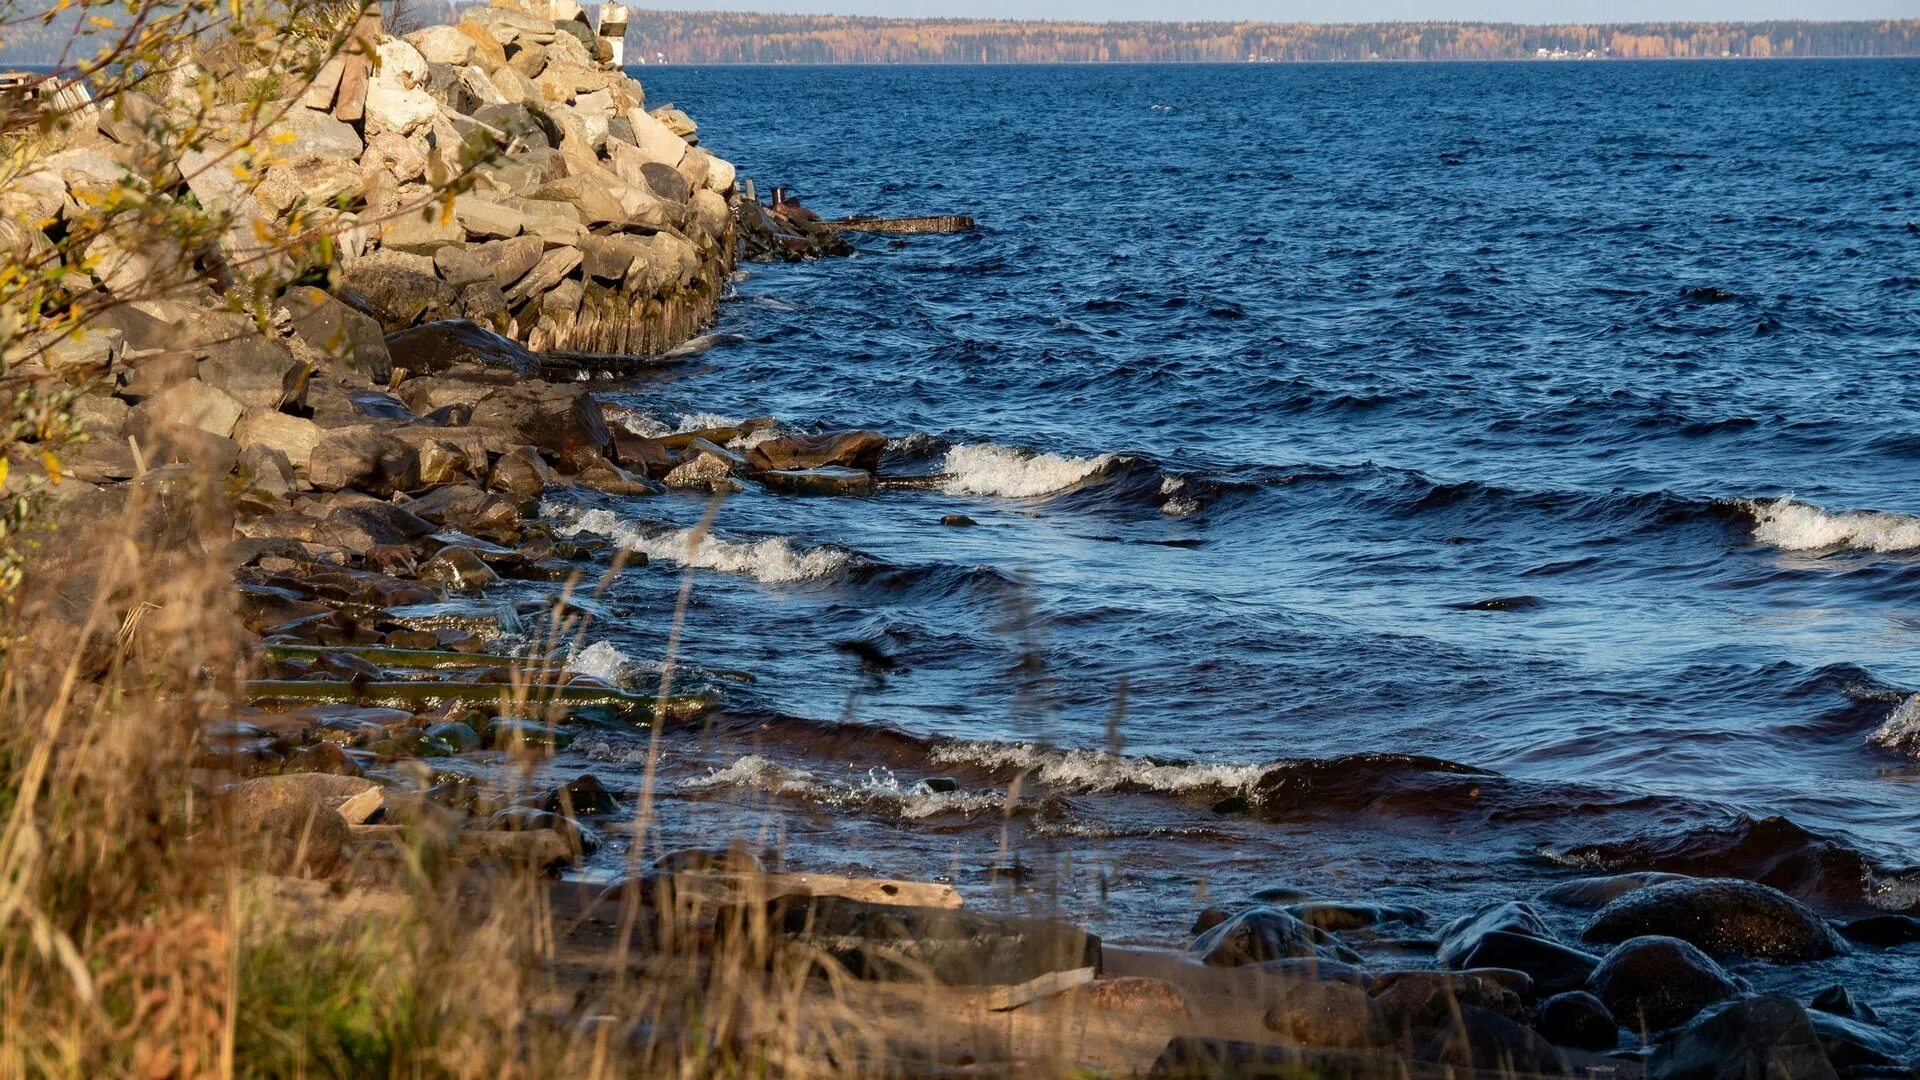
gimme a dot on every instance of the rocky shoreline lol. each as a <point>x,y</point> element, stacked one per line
<point>367,464</point>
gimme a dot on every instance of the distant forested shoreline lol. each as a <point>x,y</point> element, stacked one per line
<point>751,38</point>
<point>727,37</point>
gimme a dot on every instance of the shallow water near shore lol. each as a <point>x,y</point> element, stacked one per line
<point>1552,420</point>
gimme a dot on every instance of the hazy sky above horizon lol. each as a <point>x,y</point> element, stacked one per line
<point>1552,11</point>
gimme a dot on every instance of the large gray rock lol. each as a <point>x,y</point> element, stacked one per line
<point>508,260</point>
<point>397,99</point>
<point>562,420</point>
<point>292,436</point>
<point>401,298</point>
<point>1724,916</point>
<point>363,459</point>
<point>292,825</point>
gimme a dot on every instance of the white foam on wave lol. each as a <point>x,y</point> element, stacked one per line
<point>775,560</point>
<point>650,426</point>
<point>1097,770</point>
<point>878,788</point>
<point>1009,473</point>
<point>1798,526</point>
<point>1900,731</point>
<point>604,660</point>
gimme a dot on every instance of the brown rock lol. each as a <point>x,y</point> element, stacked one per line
<point>521,473</point>
<point>292,436</point>
<point>350,342</point>
<point>1133,996</point>
<point>508,260</point>
<point>363,458</point>
<point>854,449</point>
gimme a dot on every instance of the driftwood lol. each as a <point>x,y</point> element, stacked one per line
<point>937,223</point>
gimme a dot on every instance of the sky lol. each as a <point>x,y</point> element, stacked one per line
<point>1525,11</point>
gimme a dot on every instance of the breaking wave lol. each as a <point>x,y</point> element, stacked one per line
<point>1900,732</point>
<point>1099,771</point>
<point>1798,526</point>
<point>774,560</point>
<point>878,789</point>
<point>1009,473</point>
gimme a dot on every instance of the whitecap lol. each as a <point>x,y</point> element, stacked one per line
<point>990,469</point>
<point>878,789</point>
<point>1900,732</point>
<point>1798,526</point>
<point>1097,770</point>
<point>774,560</point>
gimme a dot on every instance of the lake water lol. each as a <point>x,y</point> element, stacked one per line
<point>1327,429</point>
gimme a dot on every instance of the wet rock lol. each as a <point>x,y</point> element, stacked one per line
<point>1654,983</point>
<point>852,449</point>
<point>1485,1040</point>
<point>458,568</point>
<point>321,757</point>
<point>582,796</point>
<point>1724,916</point>
<point>1882,930</point>
<point>513,733</point>
<point>958,520</point>
<point>1591,893</point>
<point>831,480</point>
<point>1839,1001</point>
<point>521,473</point>
<point>1770,850</point>
<point>704,466</point>
<point>1553,967</point>
<point>1852,1045</point>
<point>1260,934</point>
<point>609,478</point>
<point>580,839</point>
<point>1768,1036</point>
<point>1578,1019</point>
<point>439,346</point>
<point>1208,919</point>
<point>1418,1001</point>
<point>900,942</point>
<point>1325,1014</point>
<point>1335,916</point>
<point>1463,935</point>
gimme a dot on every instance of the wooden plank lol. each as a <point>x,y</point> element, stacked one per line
<point>1051,984</point>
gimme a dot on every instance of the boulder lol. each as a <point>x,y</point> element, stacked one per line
<point>1724,916</point>
<point>1486,1041</point>
<point>609,258</point>
<point>561,419</point>
<point>521,473</point>
<point>400,298</point>
<point>1655,983</point>
<point>488,53</point>
<point>423,231</point>
<point>711,213</point>
<point>703,466</point>
<point>665,182</point>
<point>257,371</point>
<point>348,342</point>
<point>292,436</point>
<point>1578,1019</point>
<point>508,260</point>
<point>1882,930</point>
<point>363,458</point>
<point>903,942</point>
<point>304,133</point>
<point>1853,1045</point>
<point>1325,1013</point>
<point>397,100</point>
<point>191,404</point>
<point>1420,1001</point>
<point>445,45</point>
<point>1839,1001</point>
<point>546,273</point>
<point>1463,935</point>
<point>457,267</point>
<point>1260,934</point>
<point>456,567</point>
<point>1553,967</point>
<point>487,219</point>
<point>1767,1036</point>
<point>441,346</point>
<point>264,471</point>
<point>853,449</point>
<point>292,824</point>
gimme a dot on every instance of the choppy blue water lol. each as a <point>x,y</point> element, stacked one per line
<point>1320,360</point>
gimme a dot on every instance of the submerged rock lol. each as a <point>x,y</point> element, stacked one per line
<point>1654,983</point>
<point>1724,916</point>
<point>1260,934</point>
<point>830,480</point>
<point>902,942</point>
<point>1554,967</point>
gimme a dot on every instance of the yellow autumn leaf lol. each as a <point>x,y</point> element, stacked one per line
<point>52,463</point>
<point>5,468</point>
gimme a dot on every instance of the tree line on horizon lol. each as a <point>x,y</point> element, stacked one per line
<point>724,37</point>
